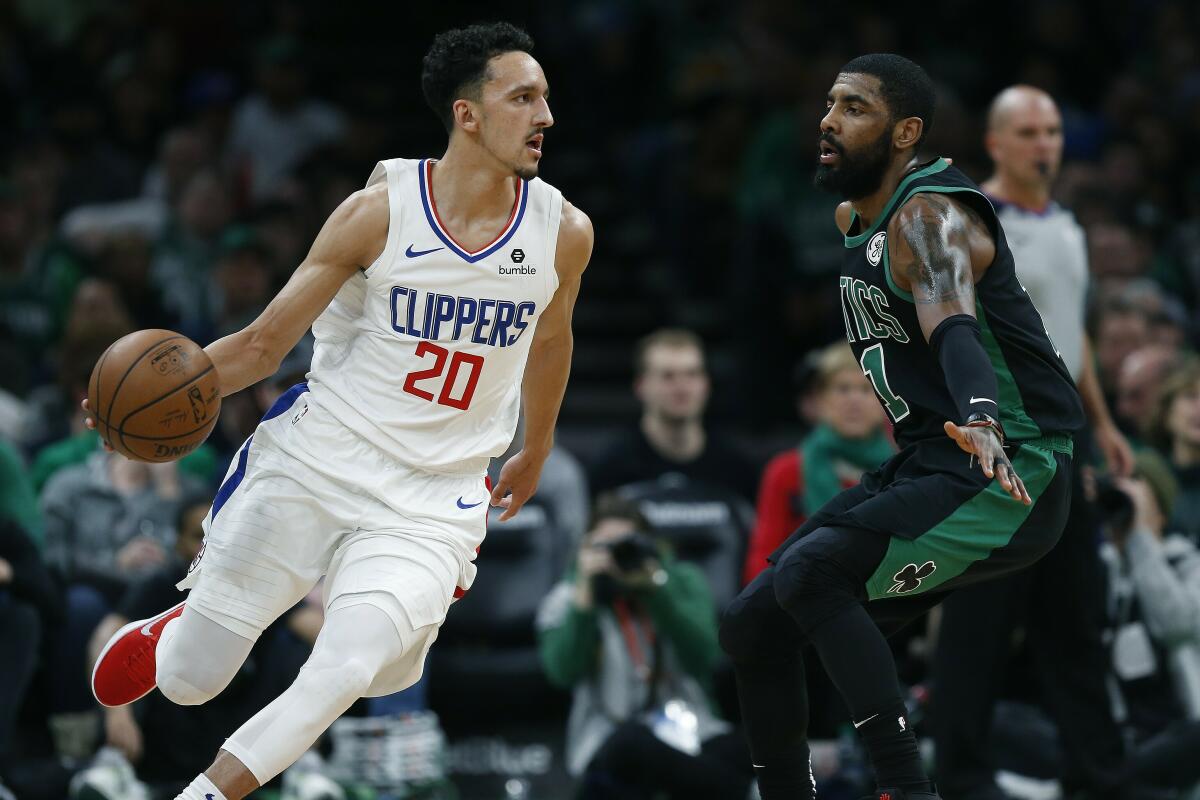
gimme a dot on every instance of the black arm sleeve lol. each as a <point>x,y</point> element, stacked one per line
<point>968,370</point>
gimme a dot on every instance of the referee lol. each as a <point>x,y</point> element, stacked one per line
<point>1060,600</point>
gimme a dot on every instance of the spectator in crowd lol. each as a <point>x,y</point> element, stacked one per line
<point>108,521</point>
<point>30,607</point>
<point>186,250</point>
<point>848,441</point>
<point>29,319</point>
<point>1154,596</point>
<point>1153,663</point>
<point>1118,329</point>
<point>1138,386</point>
<point>243,280</point>
<point>98,318</point>
<point>633,633</point>
<point>185,151</point>
<point>1174,429</point>
<point>278,126</point>
<point>671,383</point>
<point>112,519</point>
<point>18,501</point>
<point>166,743</point>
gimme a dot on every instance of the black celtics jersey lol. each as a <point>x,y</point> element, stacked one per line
<point>1037,395</point>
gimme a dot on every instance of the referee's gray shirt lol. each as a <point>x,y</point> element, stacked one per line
<point>1051,255</point>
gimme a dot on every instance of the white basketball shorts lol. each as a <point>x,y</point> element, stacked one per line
<point>305,497</point>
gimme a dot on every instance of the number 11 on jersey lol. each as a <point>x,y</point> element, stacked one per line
<point>871,362</point>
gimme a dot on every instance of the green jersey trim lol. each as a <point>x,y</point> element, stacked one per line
<point>932,169</point>
<point>891,282</point>
<point>1017,423</point>
<point>983,524</point>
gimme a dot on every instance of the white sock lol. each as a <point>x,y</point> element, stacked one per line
<point>201,789</point>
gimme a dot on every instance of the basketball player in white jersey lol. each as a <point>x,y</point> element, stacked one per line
<point>440,297</point>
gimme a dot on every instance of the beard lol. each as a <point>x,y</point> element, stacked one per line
<point>859,174</point>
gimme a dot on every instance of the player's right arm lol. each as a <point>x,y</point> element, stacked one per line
<point>352,238</point>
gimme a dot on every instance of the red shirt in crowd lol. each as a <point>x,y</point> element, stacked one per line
<point>780,509</point>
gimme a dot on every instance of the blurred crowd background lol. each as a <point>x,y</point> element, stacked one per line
<point>167,164</point>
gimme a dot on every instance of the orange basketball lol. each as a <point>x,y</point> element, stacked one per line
<point>154,395</point>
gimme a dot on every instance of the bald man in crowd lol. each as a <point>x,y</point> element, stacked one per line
<point>1059,602</point>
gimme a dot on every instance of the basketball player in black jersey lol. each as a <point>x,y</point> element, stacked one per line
<point>984,412</point>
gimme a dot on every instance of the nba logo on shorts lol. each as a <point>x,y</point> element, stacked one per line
<point>875,248</point>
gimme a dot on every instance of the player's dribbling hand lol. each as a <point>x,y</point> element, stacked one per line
<point>984,444</point>
<point>90,422</point>
<point>517,483</point>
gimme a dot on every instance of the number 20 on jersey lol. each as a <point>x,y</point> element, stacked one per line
<point>448,367</point>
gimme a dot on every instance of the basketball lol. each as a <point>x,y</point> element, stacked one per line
<point>154,395</point>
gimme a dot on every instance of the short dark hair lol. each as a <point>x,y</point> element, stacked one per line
<point>456,64</point>
<point>906,87</point>
<point>611,505</point>
<point>663,337</point>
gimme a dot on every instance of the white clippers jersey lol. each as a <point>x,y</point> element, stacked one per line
<point>423,352</point>
<point>1050,251</point>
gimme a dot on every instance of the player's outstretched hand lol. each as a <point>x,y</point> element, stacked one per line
<point>90,422</point>
<point>517,483</point>
<point>984,444</point>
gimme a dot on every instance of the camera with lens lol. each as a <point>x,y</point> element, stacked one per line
<point>629,554</point>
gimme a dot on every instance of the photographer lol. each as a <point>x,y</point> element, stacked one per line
<point>1154,597</point>
<point>634,633</point>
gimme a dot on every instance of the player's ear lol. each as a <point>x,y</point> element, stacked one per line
<point>465,115</point>
<point>908,132</point>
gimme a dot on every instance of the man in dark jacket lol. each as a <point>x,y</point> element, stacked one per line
<point>29,603</point>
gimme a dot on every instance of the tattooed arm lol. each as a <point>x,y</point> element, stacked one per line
<point>938,251</point>
<point>934,245</point>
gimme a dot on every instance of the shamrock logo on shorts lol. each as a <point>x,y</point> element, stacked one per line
<point>909,578</point>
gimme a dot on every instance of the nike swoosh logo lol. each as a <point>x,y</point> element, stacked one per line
<point>410,253</point>
<point>461,504</point>
<point>865,721</point>
<point>983,400</point>
<point>148,625</point>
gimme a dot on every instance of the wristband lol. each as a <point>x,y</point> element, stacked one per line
<point>981,420</point>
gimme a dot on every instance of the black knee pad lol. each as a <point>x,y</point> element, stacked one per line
<point>812,583</point>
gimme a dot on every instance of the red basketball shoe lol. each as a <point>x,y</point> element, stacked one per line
<point>125,669</point>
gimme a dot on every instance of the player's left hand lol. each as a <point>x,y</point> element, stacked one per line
<point>984,444</point>
<point>517,483</point>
